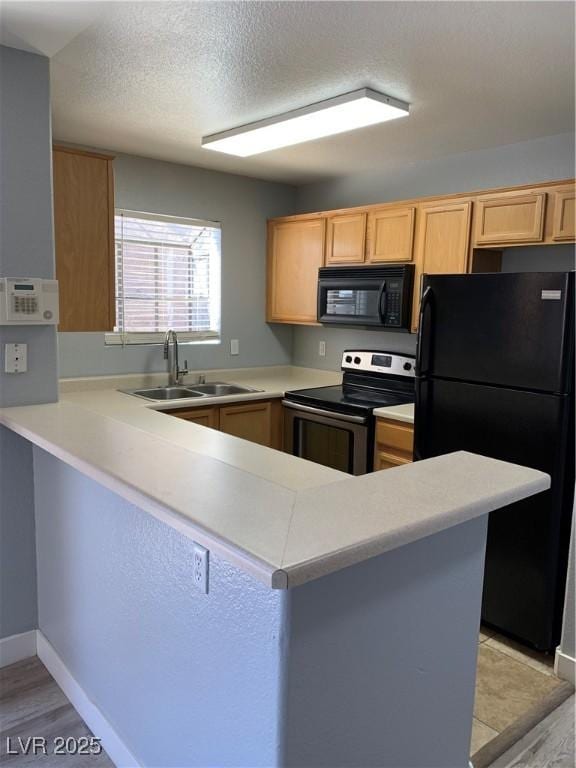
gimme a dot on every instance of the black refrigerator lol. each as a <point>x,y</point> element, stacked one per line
<point>495,376</point>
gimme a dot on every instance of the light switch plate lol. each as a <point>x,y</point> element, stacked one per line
<point>234,347</point>
<point>15,358</point>
<point>322,348</point>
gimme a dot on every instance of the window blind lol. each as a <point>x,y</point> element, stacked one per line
<point>167,276</point>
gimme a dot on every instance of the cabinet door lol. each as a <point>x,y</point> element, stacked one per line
<point>252,421</point>
<point>206,417</point>
<point>346,238</point>
<point>383,460</point>
<point>443,239</point>
<point>509,218</point>
<point>394,444</point>
<point>84,239</point>
<point>395,436</point>
<point>391,233</point>
<point>295,253</point>
<point>564,227</point>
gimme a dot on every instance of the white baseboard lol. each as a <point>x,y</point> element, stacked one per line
<point>117,751</point>
<point>565,667</point>
<point>17,647</point>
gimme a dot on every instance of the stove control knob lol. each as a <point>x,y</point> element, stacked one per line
<point>348,358</point>
<point>357,361</point>
<point>407,366</point>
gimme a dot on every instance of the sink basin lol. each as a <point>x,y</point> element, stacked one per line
<point>166,393</point>
<point>212,389</point>
<point>220,389</point>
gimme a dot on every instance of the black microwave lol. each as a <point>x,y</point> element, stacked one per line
<point>366,296</point>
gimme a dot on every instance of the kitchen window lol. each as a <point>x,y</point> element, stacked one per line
<point>167,276</point>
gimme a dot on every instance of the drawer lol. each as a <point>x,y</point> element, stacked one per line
<point>383,460</point>
<point>395,434</point>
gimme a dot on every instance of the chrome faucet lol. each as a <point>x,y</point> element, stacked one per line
<point>175,373</point>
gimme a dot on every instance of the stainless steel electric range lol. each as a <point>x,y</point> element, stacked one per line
<point>334,426</point>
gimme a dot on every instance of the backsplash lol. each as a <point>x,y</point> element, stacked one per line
<point>307,340</point>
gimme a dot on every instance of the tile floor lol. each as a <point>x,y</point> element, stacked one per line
<point>510,681</point>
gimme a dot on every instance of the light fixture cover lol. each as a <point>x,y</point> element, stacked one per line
<point>325,118</point>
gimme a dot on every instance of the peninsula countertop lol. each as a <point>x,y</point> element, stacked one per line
<point>283,519</point>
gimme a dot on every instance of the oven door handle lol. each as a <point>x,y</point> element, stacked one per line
<point>322,412</point>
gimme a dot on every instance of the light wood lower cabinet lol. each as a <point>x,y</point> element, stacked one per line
<point>251,421</point>
<point>206,417</point>
<point>393,444</point>
<point>84,239</point>
<point>295,253</point>
<point>259,421</point>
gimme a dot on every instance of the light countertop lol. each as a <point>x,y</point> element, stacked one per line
<point>283,519</point>
<point>403,412</point>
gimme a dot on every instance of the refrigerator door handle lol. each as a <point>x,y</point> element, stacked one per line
<point>425,302</point>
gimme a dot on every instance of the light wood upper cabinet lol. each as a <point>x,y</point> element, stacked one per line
<point>444,237</point>
<point>442,242</point>
<point>564,224</point>
<point>84,238</point>
<point>509,218</point>
<point>391,234</point>
<point>295,253</point>
<point>346,238</point>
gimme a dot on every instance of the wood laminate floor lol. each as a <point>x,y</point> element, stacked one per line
<point>32,704</point>
<point>549,745</point>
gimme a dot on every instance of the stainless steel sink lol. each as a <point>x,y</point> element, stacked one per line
<point>221,389</point>
<point>165,393</point>
<point>213,389</point>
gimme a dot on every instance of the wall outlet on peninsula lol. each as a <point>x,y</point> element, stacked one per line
<point>200,568</point>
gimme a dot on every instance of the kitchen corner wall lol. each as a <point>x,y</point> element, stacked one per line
<point>26,250</point>
<point>551,157</point>
<point>242,206</point>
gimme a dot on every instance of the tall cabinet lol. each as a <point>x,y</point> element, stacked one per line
<point>84,239</point>
<point>295,253</point>
<point>442,242</point>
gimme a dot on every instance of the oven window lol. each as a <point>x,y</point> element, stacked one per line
<point>359,302</point>
<point>326,445</point>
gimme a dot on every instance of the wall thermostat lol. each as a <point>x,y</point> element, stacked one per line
<point>28,301</point>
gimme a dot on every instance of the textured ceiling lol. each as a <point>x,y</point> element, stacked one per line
<point>152,78</point>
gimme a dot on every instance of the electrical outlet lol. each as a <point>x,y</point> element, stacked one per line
<point>15,358</point>
<point>322,348</point>
<point>234,347</point>
<point>200,570</point>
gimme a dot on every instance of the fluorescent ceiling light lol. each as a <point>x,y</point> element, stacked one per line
<point>326,118</point>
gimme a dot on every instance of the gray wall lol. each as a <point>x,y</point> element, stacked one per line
<point>242,205</point>
<point>26,238</point>
<point>382,657</point>
<point>342,671</point>
<point>543,159</point>
<point>186,679</point>
<point>26,250</point>
<point>551,157</point>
